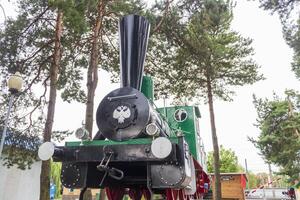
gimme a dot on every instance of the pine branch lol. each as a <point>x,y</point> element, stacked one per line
<point>166,10</point>
<point>35,20</point>
<point>36,52</point>
<point>43,96</point>
<point>38,74</point>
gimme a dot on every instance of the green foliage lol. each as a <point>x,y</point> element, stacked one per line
<point>59,136</point>
<point>279,139</point>
<point>202,50</point>
<point>55,177</point>
<point>27,43</point>
<point>22,140</point>
<point>283,7</point>
<point>228,161</point>
<point>262,178</point>
<point>74,13</point>
<point>259,179</point>
<point>20,150</point>
<point>253,181</point>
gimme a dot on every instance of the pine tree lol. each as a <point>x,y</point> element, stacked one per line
<point>54,68</point>
<point>205,58</point>
<point>279,139</point>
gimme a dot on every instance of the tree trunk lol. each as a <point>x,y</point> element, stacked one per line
<point>217,186</point>
<point>92,77</point>
<point>45,171</point>
<point>92,73</point>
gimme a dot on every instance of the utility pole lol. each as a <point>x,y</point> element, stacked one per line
<point>246,166</point>
<point>271,180</point>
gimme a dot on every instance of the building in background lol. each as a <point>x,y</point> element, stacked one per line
<point>233,185</point>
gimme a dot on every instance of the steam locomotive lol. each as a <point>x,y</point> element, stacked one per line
<point>139,150</point>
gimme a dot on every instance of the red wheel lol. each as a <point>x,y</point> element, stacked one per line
<point>172,194</point>
<point>147,194</point>
<point>115,193</point>
<point>182,195</point>
<point>135,193</point>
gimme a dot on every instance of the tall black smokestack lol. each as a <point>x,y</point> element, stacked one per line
<point>134,33</point>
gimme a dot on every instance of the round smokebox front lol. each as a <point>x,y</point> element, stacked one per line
<point>123,114</point>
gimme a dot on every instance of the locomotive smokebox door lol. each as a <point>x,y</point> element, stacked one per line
<point>123,114</point>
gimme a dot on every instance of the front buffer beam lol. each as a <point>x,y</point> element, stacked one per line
<point>116,165</point>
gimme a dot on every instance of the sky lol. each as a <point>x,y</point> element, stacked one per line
<point>234,120</point>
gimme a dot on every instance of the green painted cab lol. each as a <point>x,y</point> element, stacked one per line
<point>185,120</point>
<point>147,88</point>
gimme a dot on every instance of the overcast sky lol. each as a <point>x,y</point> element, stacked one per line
<point>235,119</point>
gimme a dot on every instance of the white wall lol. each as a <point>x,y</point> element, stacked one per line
<point>18,184</point>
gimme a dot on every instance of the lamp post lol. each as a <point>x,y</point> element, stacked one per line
<point>14,84</point>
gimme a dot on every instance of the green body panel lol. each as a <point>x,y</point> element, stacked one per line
<point>188,127</point>
<point>147,88</point>
<point>110,142</point>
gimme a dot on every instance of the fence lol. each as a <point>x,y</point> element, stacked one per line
<point>268,194</point>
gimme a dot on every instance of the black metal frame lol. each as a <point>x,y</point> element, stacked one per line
<point>121,153</point>
<point>100,166</point>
